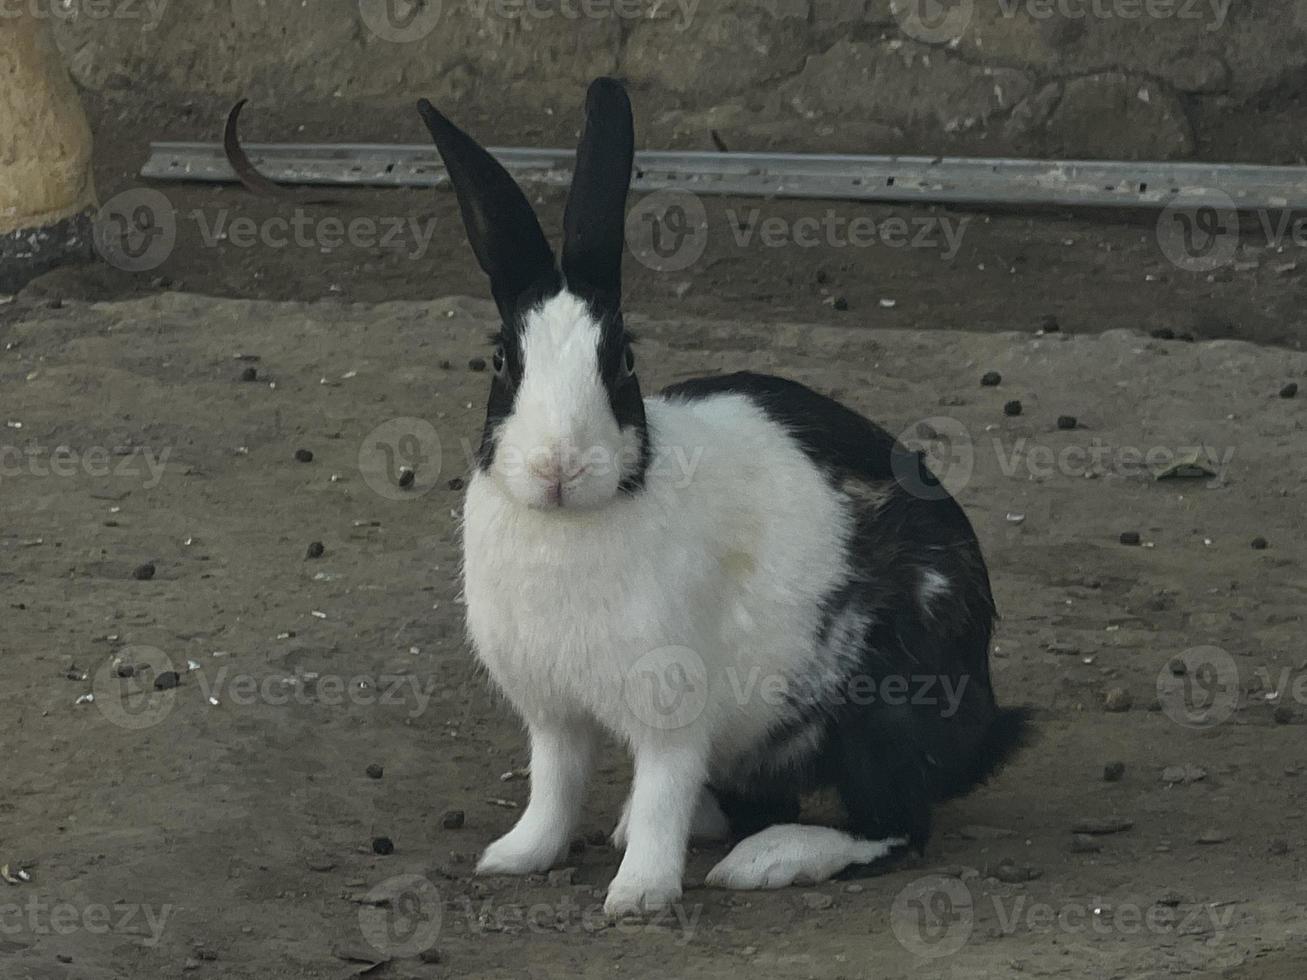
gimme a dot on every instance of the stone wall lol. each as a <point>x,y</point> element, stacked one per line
<point>1071,78</point>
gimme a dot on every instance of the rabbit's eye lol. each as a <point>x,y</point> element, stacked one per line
<point>498,360</point>
<point>628,361</point>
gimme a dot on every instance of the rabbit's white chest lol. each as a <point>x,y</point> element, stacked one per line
<point>707,584</point>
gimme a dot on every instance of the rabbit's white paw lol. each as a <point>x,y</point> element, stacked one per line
<point>786,853</point>
<point>635,895</point>
<point>521,852</point>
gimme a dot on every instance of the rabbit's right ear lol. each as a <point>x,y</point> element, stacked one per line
<point>501,226</point>
<point>594,223</point>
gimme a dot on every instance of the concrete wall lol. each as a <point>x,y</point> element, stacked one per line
<point>1095,78</point>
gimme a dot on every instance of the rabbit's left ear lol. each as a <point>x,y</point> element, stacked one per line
<point>594,223</point>
<point>501,226</point>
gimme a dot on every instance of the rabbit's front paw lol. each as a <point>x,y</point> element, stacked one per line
<point>630,895</point>
<point>520,853</point>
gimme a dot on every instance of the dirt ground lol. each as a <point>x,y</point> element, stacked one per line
<point>165,835</point>
<point>235,839</point>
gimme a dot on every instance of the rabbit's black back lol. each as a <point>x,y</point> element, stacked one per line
<point>915,720</point>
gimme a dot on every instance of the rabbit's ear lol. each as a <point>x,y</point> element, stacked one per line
<point>594,223</point>
<point>501,225</point>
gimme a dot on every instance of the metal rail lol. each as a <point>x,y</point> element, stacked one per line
<point>959,180</point>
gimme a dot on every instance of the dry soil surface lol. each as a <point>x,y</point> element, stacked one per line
<point>228,827</point>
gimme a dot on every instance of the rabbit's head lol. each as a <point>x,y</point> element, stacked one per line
<point>565,424</point>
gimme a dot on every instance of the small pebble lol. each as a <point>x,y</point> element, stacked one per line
<point>304,456</point>
<point>1260,544</point>
<point>1130,537</point>
<point>167,680</point>
<point>1113,772</point>
<point>817,901</point>
<point>991,379</point>
<point>430,956</point>
<point>1283,714</point>
<point>250,374</point>
<point>1118,699</point>
<point>375,771</point>
<point>143,573</point>
<point>1085,844</point>
<point>477,364</point>
<point>383,846</point>
<point>1289,390</point>
<point>1183,774</point>
<point>1048,323</point>
<point>1009,872</point>
<point>456,483</point>
<point>1012,408</point>
<point>316,550</point>
<point>1212,836</point>
<point>126,670</point>
<point>446,366</point>
<point>406,478</point>
<point>1178,667</point>
<point>452,819</point>
<point>841,304</point>
<point>1102,825</point>
<point>1066,422</point>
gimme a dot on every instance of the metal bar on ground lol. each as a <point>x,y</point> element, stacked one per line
<point>956,180</point>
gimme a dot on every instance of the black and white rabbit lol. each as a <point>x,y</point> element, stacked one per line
<point>755,588</point>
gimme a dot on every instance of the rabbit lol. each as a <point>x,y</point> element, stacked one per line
<point>755,589</point>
